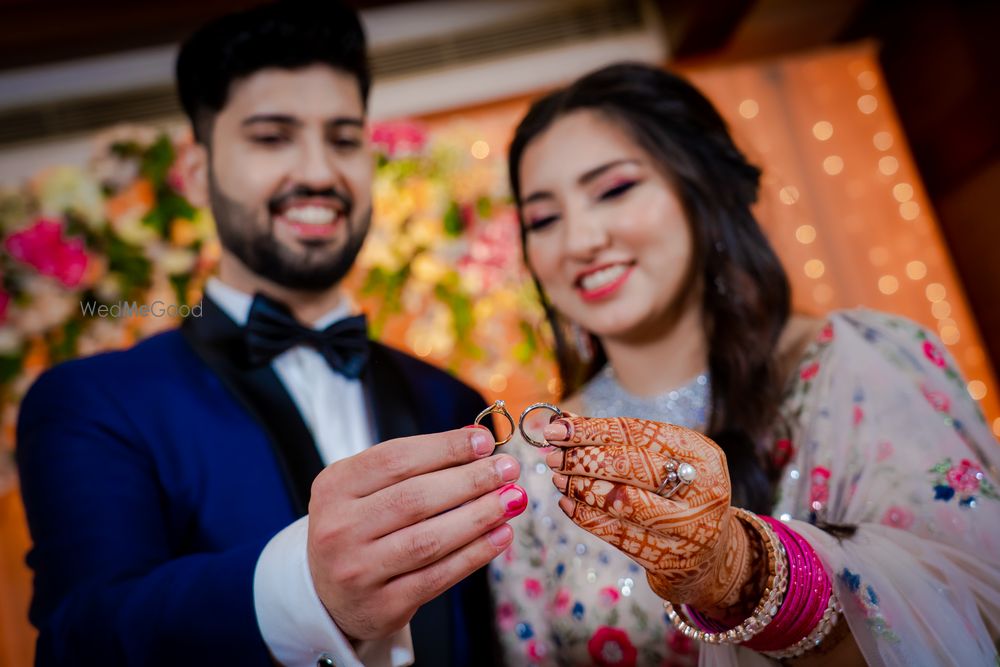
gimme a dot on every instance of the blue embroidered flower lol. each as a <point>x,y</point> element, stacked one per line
<point>853,581</point>
<point>560,569</point>
<point>943,492</point>
<point>872,597</point>
<point>578,611</point>
<point>524,631</point>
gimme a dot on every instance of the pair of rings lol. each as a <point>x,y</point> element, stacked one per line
<point>500,408</point>
<point>676,473</point>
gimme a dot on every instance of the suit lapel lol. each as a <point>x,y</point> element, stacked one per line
<point>219,342</point>
<point>392,406</point>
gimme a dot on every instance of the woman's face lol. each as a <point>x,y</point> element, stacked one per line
<point>607,236</point>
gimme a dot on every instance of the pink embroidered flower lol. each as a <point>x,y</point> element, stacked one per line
<point>810,371</point>
<point>4,302</point>
<point>819,491</point>
<point>506,616</point>
<point>534,650</point>
<point>399,137</point>
<point>532,587</point>
<point>679,643</point>
<point>898,517</point>
<point>611,647</point>
<point>826,335</point>
<point>884,451</point>
<point>938,399</point>
<point>782,452</point>
<point>561,604</point>
<point>859,414</point>
<point>42,246</point>
<point>609,595</point>
<point>965,477</point>
<point>934,354</point>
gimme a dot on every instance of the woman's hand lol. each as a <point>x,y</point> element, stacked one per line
<point>692,546</point>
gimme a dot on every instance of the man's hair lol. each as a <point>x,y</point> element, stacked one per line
<point>290,34</point>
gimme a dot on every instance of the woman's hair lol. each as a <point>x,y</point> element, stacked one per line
<point>745,293</point>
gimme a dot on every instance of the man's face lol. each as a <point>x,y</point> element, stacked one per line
<point>290,173</point>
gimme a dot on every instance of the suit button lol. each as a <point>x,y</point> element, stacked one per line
<point>325,660</point>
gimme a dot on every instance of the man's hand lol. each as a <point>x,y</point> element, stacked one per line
<point>398,524</point>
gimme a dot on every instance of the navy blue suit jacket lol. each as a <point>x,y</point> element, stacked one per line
<point>152,479</point>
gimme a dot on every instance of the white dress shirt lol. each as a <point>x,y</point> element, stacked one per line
<point>294,623</point>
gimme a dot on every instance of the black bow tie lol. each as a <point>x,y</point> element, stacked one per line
<point>271,329</point>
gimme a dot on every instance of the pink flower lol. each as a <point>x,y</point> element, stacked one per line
<point>611,647</point>
<point>534,650</point>
<point>532,587</point>
<point>934,354</point>
<point>938,399</point>
<point>399,137</point>
<point>884,451</point>
<point>782,452</point>
<point>898,517</point>
<point>965,477</point>
<point>679,643</point>
<point>609,595</point>
<point>810,371</point>
<point>561,604</point>
<point>43,247</point>
<point>819,491</point>
<point>859,414</point>
<point>4,302</point>
<point>826,335</point>
<point>506,616</point>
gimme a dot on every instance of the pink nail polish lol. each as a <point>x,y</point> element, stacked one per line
<point>514,500</point>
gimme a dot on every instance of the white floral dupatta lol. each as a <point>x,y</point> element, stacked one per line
<point>883,435</point>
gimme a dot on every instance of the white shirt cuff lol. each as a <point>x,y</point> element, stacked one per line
<point>294,623</point>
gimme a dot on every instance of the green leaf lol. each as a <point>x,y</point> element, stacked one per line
<point>10,367</point>
<point>453,220</point>
<point>484,207</point>
<point>156,161</point>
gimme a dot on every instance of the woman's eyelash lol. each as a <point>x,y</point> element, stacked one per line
<point>535,225</point>
<point>618,190</point>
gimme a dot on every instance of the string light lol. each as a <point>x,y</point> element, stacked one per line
<point>805,234</point>
<point>903,192</point>
<point>949,334</point>
<point>941,309</point>
<point>480,150</point>
<point>867,104</point>
<point>935,292</point>
<point>977,389</point>
<point>867,80</point>
<point>833,164</point>
<point>882,140</point>
<point>909,210</point>
<point>888,165</point>
<point>814,268</point>
<point>996,427</point>
<point>888,284</point>
<point>916,270</point>
<point>788,195</point>
<point>823,130</point>
<point>749,108</point>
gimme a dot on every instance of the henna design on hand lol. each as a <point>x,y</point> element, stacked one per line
<point>692,546</point>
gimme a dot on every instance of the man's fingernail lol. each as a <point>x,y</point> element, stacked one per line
<point>514,500</point>
<point>556,432</point>
<point>507,469</point>
<point>501,536</point>
<point>482,442</point>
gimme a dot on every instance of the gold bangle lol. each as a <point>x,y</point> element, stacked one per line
<point>816,636</point>
<point>770,600</point>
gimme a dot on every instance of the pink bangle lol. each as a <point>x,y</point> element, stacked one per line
<point>807,596</point>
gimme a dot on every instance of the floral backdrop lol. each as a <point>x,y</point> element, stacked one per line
<point>440,271</point>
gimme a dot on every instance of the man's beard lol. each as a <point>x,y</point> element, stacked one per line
<point>267,257</point>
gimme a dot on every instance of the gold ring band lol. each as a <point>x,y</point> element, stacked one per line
<point>498,408</point>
